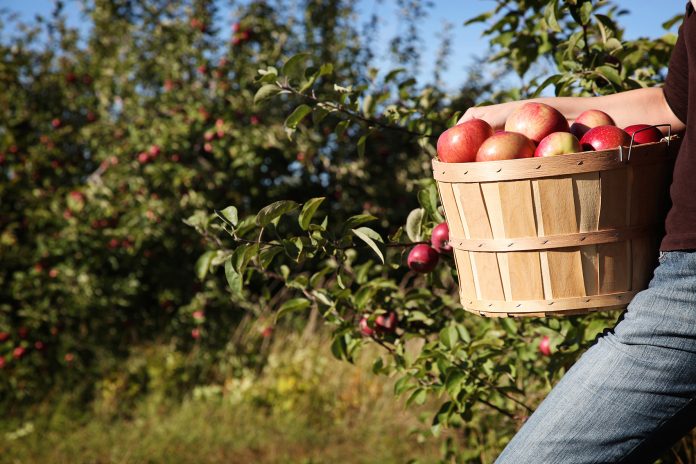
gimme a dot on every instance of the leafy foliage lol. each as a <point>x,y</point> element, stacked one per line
<point>438,350</point>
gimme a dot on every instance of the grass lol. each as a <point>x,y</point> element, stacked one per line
<point>304,408</point>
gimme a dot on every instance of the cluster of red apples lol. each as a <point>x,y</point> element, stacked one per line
<point>538,130</point>
<point>422,258</point>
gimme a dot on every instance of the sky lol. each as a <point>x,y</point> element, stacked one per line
<point>645,19</point>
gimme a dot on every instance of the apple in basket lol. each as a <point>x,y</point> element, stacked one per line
<point>460,143</point>
<point>558,143</point>
<point>647,134</point>
<point>589,119</point>
<point>536,121</point>
<point>605,138</point>
<point>505,146</point>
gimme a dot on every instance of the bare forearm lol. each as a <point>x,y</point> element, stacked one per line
<point>641,106</point>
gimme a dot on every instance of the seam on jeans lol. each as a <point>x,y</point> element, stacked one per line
<point>627,455</point>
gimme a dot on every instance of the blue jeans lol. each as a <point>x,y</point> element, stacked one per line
<point>631,395</point>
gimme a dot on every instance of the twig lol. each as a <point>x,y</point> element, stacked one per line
<point>354,115</point>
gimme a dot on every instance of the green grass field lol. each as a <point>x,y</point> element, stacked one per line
<point>305,407</point>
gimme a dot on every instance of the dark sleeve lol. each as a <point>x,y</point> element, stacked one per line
<point>677,83</point>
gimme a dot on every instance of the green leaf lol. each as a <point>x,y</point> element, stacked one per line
<point>428,200</point>
<point>613,44</point>
<point>479,19</point>
<point>509,325</point>
<point>341,128</point>
<point>453,385</point>
<point>551,15</point>
<point>265,92</point>
<point>230,215</point>
<point>293,305</point>
<point>370,237</point>
<point>610,74</point>
<point>318,114</point>
<point>295,66</point>
<point>298,115</point>
<point>585,12</point>
<point>203,264</point>
<point>551,80</point>
<point>242,255</point>
<point>308,210</point>
<point>361,146</point>
<point>401,385</point>
<point>274,210</point>
<point>449,336</point>
<point>463,333</point>
<point>418,397</point>
<point>267,254</point>
<point>391,75</point>
<point>358,219</point>
<point>452,121</point>
<point>323,297</point>
<point>234,279</point>
<point>414,223</point>
<point>339,347</point>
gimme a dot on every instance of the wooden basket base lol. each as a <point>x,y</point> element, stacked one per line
<point>544,308</point>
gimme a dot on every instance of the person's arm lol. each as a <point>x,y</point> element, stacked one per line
<point>640,106</point>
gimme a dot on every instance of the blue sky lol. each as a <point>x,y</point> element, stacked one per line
<point>645,19</point>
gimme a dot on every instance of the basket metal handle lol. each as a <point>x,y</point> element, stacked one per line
<point>633,136</point>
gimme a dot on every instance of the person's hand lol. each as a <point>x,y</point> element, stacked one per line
<point>495,115</point>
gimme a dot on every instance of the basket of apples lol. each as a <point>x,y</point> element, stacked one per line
<point>551,219</point>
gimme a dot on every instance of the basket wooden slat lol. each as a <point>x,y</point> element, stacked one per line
<point>476,224</point>
<point>587,209</point>
<point>555,236</point>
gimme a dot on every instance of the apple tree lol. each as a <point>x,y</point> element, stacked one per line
<point>373,276</point>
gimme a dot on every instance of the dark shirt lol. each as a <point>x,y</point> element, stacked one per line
<point>680,93</point>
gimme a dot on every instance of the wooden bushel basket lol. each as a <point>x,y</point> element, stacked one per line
<point>560,235</point>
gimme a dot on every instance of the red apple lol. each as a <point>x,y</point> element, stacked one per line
<point>39,345</point>
<point>365,328</point>
<point>23,332</point>
<point>589,119</point>
<point>267,331</point>
<point>4,336</point>
<point>605,138</point>
<point>536,121</point>
<point>18,352</point>
<point>143,158</point>
<point>196,333</point>
<point>198,315</point>
<point>439,239</point>
<point>649,135</point>
<point>2,362</point>
<point>505,146</point>
<point>460,143</point>
<point>386,322</point>
<point>545,346</point>
<point>422,258</point>
<point>558,143</point>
